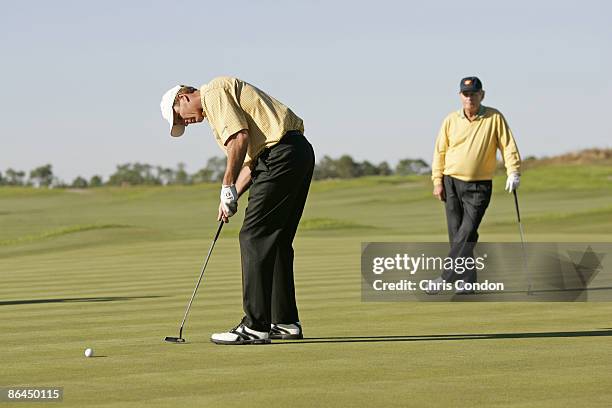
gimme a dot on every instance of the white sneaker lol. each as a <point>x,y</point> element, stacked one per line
<point>241,335</point>
<point>282,331</point>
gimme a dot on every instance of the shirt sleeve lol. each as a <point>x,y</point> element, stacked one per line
<point>507,147</point>
<point>437,164</point>
<point>224,113</point>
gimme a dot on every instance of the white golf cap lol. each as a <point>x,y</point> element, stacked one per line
<point>167,110</point>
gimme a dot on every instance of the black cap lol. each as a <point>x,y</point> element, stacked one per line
<point>470,84</point>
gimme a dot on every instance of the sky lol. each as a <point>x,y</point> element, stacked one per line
<point>82,80</point>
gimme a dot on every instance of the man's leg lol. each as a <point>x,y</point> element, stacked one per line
<point>475,198</point>
<point>284,308</point>
<point>272,197</point>
<point>454,217</point>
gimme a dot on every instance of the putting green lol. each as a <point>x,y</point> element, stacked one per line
<point>113,268</point>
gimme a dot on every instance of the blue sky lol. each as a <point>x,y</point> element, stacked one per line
<point>82,80</point>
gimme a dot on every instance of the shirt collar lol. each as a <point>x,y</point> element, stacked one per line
<point>480,114</point>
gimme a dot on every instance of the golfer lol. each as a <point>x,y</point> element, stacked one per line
<point>266,151</point>
<point>463,166</point>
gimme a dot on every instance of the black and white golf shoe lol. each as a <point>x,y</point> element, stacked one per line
<point>241,335</point>
<point>281,331</point>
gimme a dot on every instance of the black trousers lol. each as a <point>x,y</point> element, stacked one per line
<point>466,203</point>
<point>281,179</point>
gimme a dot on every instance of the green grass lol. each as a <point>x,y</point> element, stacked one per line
<point>113,268</point>
<point>59,232</point>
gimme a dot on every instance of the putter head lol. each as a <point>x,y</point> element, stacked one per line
<point>170,339</point>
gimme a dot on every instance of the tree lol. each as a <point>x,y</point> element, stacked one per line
<point>42,176</point>
<point>384,169</point>
<point>367,169</point>
<point>96,181</point>
<point>216,165</point>
<point>411,166</point>
<point>146,173</point>
<point>214,171</point>
<point>165,175</point>
<point>346,167</point>
<point>79,182</point>
<point>125,175</point>
<point>202,176</point>
<point>134,174</point>
<point>181,176</point>
<point>326,168</point>
<point>14,177</point>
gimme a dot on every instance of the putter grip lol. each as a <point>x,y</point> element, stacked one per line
<point>219,229</point>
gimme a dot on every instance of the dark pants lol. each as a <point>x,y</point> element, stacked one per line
<point>466,203</point>
<point>281,179</point>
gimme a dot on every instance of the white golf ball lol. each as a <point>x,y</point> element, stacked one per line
<point>89,352</point>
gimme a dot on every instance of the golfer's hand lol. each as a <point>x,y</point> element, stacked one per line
<point>222,215</point>
<point>513,182</point>
<point>229,200</point>
<point>438,192</point>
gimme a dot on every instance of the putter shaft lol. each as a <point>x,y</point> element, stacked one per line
<point>518,216</point>
<point>180,338</point>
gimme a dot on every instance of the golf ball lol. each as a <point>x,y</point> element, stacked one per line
<point>89,352</point>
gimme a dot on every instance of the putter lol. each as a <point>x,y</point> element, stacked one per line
<point>180,338</point>
<point>518,216</point>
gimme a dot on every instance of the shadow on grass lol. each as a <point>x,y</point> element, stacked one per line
<point>86,299</point>
<point>445,337</point>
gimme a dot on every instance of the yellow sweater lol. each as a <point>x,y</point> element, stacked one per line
<point>466,150</point>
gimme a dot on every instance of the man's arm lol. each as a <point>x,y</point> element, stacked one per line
<point>244,180</point>
<point>236,178</point>
<point>507,147</point>
<point>512,158</point>
<point>237,145</point>
<point>438,162</point>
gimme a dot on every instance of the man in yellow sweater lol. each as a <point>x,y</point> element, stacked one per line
<point>463,167</point>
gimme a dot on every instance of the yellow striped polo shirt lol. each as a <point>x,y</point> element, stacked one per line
<point>231,105</point>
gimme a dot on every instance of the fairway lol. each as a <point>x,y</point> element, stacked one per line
<point>113,269</point>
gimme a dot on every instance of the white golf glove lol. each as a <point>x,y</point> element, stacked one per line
<point>513,182</point>
<point>229,199</point>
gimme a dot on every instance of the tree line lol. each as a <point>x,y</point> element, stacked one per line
<point>145,174</point>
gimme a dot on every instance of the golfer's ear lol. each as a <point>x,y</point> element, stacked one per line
<point>483,95</point>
